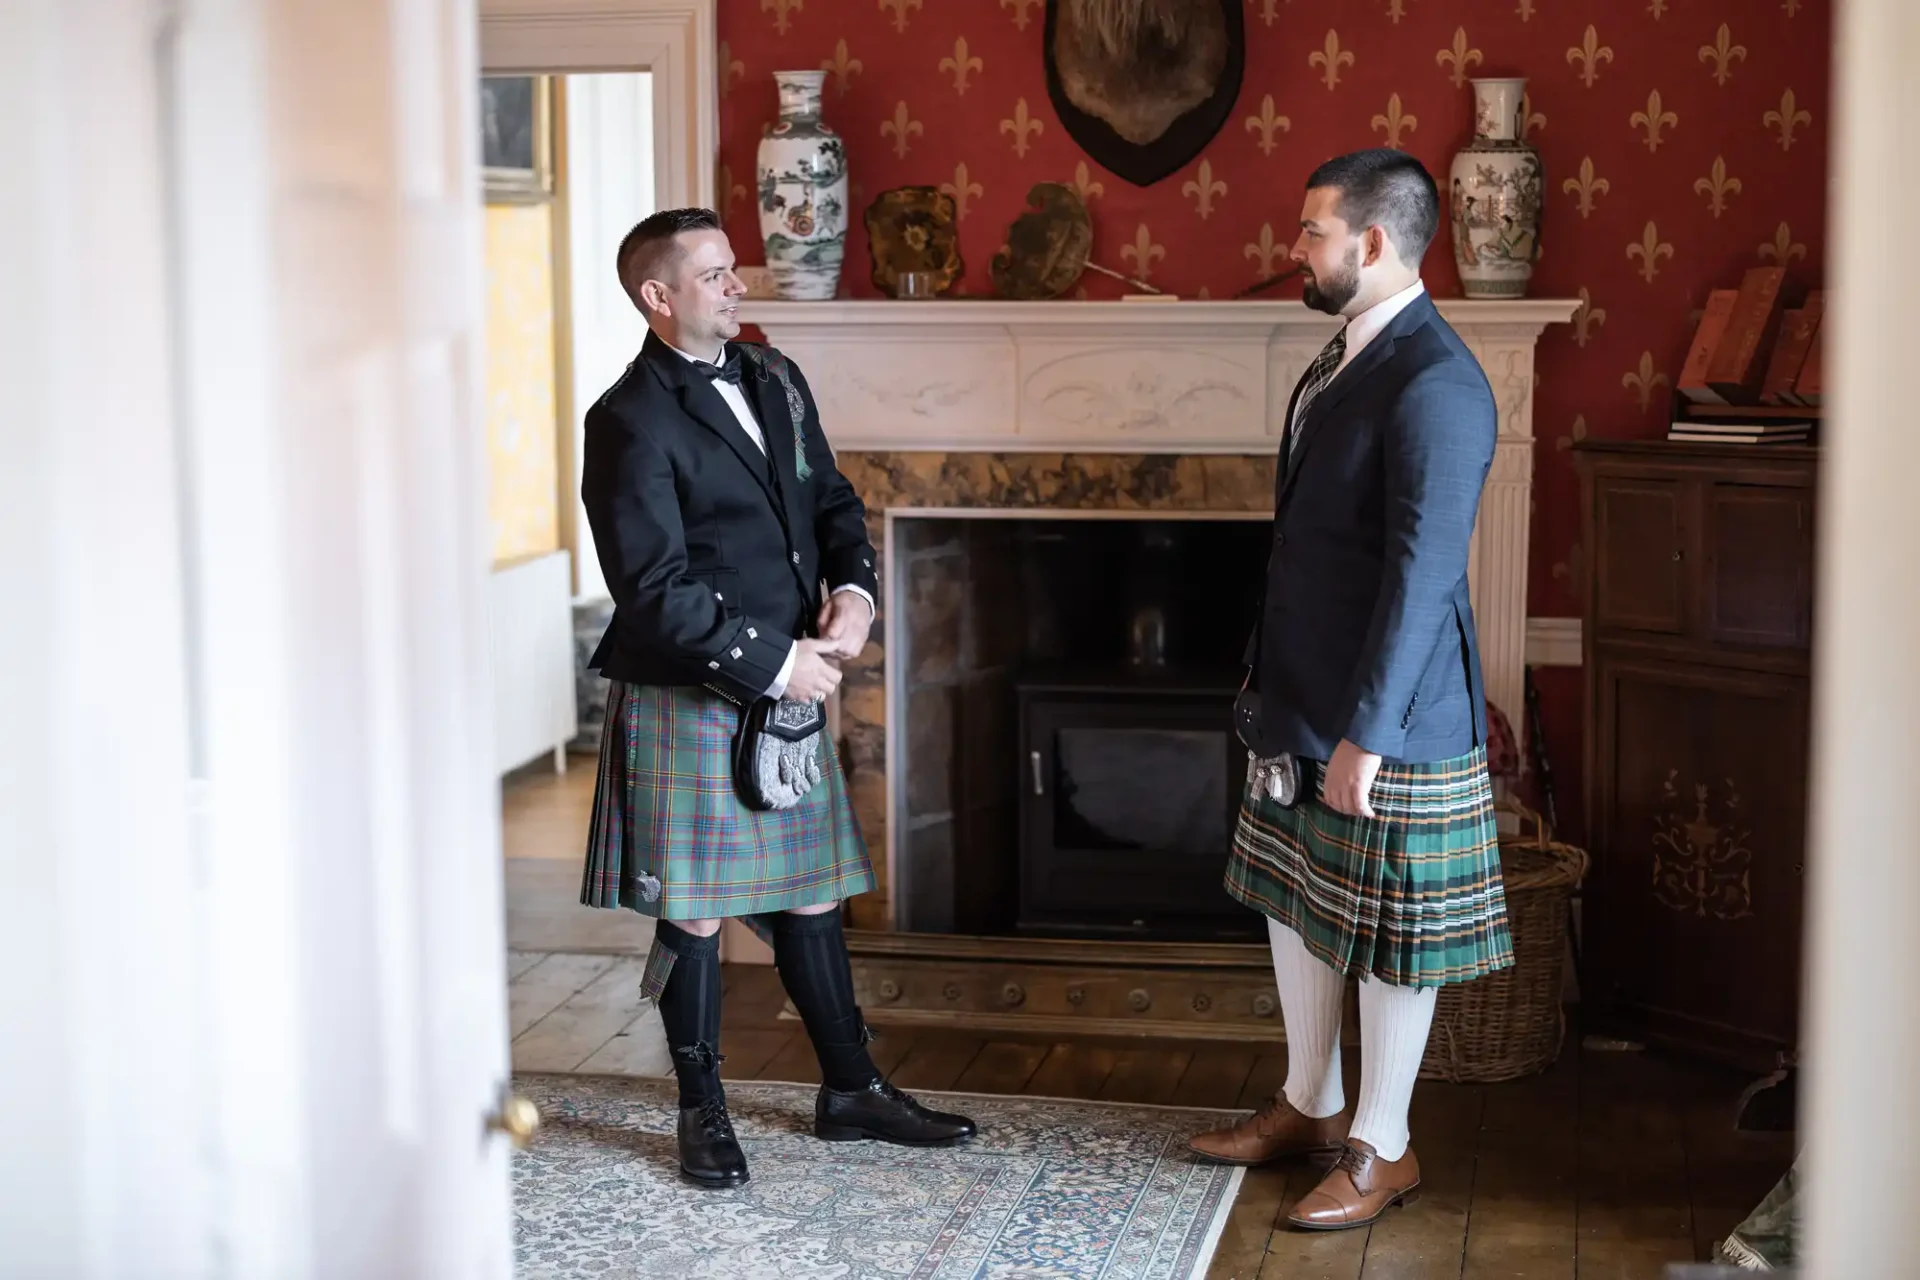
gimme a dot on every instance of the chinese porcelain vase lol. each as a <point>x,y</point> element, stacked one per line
<point>803,193</point>
<point>1495,195</point>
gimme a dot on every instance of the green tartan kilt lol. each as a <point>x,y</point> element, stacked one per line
<point>1412,896</point>
<point>670,837</point>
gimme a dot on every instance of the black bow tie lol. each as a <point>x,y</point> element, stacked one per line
<point>727,370</point>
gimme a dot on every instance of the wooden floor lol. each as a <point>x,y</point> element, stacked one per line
<point>1612,1164</point>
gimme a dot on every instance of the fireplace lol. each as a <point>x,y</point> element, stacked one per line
<point>969,426</point>
<point>1068,766</point>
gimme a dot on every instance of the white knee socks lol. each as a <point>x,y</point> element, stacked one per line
<point>1310,999</point>
<point>1394,1022</point>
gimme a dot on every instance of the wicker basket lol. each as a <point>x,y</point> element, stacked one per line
<point>1512,1023</point>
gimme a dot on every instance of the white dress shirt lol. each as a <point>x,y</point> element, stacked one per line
<point>737,401</point>
<point>1366,326</point>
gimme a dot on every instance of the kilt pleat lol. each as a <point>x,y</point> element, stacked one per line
<point>1412,896</point>
<point>670,838</point>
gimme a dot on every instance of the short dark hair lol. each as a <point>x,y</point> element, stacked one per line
<point>1389,189</point>
<point>650,250</point>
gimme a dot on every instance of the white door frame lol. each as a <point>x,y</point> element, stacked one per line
<point>673,39</point>
<point>675,42</point>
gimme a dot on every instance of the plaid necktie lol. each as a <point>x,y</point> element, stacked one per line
<point>1318,375</point>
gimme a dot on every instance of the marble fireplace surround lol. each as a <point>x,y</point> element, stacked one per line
<point>957,407</point>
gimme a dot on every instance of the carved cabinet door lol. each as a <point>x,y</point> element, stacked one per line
<point>1692,912</point>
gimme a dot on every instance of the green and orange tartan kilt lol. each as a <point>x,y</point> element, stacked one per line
<point>671,839</point>
<point>1412,895</point>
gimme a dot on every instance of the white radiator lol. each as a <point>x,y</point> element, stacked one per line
<point>530,629</point>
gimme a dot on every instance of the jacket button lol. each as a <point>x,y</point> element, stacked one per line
<point>1279,539</point>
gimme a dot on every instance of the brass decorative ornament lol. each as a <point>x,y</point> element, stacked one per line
<point>914,229</point>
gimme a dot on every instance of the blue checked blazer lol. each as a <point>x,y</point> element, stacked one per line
<point>1365,630</point>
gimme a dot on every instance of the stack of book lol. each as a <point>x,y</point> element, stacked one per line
<point>1752,375</point>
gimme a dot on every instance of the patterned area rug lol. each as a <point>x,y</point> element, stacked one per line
<point>1047,1189</point>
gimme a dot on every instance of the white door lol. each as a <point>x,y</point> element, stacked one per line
<point>264,810</point>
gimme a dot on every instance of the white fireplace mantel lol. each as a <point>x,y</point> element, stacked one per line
<point>1131,377</point>
<point>1150,377</point>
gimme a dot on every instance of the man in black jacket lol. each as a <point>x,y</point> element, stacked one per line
<point>717,511</point>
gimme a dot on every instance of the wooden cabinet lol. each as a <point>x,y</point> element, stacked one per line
<point>1698,635</point>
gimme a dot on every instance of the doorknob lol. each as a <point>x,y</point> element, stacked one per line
<point>518,1118</point>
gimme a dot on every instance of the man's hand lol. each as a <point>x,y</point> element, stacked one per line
<point>815,672</point>
<point>1349,780</point>
<point>844,621</point>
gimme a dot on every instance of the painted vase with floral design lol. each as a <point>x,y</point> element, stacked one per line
<point>1495,194</point>
<point>802,168</point>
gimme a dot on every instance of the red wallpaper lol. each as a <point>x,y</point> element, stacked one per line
<point>1683,140</point>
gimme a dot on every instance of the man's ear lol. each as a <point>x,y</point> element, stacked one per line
<point>654,294</point>
<point>1374,243</point>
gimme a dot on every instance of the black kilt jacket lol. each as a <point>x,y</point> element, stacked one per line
<point>714,552</point>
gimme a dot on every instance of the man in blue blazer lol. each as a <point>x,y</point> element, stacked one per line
<point>1367,834</point>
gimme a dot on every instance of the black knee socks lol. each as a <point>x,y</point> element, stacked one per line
<point>810,952</point>
<point>690,1008</point>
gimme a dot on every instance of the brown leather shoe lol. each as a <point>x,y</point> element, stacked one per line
<point>1273,1133</point>
<point>1359,1189</point>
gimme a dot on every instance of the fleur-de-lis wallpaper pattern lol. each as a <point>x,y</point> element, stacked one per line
<point>1703,122</point>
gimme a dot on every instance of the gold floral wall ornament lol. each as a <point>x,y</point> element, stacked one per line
<point>1265,123</point>
<point>1786,118</point>
<point>1084,185</point>
<point>962,189</point>
<point>1658,8</point>
<point>1574,436</point>
<point>1269,11</point>
<point>1526,10</point>
<point>1331,57</point>
<point>1783,249</point>
<point>1396,121</point>
<point>840,66</point>
<point>1023,127</point>
<point>1791,7</point>
<point>1460,57</point>
<point>961,64</point>
<point>729,191</point>
<point>1650,250</point>
<point>1586,186</point>
<point>1573,569</point>
<point>1702,867</point>
<point>1265,252</point>
<point>1585,317</point>
<point>900,9</point>
<point>1654,119</point>
<point>1529,118</point>
<point>1717,186</point>
<point>1722,52</point>
<point>1019,8</point>
<point>730,67</point>
<point>1143,252</point>
<point>1589,53</point>
<point>1204,188</point>
<point>904,129</point>
<point>780,9</point>
<point>1396,10</point>
<point>1644,380</point>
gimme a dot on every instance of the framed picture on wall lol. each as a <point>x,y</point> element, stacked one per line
<point>516,138</point>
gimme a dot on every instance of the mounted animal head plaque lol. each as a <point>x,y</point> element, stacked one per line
<point>1143,85</point>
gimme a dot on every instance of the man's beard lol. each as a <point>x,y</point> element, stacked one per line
<point>1332,293</point>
